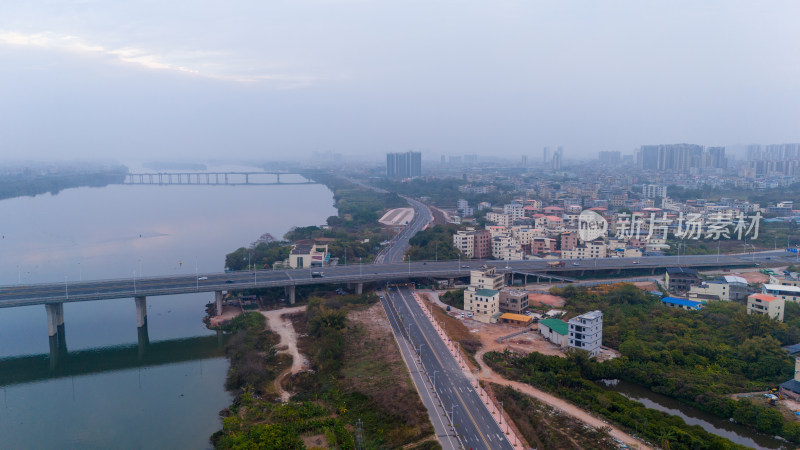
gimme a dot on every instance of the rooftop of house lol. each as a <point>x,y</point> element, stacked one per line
<point>682,302</point>
<point>517,317</point>
<point>763,297</point>
<point>681,270</point>
<point>782,288</point>
<point>557,325</point>
<point>486,292</point>
<point>591,315</point>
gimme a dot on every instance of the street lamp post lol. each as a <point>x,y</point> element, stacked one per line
<point>434,380</point>
<point>134,281</point>
<point>66,287</point>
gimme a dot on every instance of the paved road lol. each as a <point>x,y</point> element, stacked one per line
<point>21,295</point>
<point>398,246</point>
<point>422,380</point>
<point>474,424</point>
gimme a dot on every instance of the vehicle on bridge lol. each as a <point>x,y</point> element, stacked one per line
<point>317,275</point>
<point>556,264</point>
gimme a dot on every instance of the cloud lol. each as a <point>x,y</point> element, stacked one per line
<point>198,63</point>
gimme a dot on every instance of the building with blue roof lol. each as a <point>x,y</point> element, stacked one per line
<point>682,303</point>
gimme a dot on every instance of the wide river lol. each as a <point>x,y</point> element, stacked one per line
<point>107,390</point>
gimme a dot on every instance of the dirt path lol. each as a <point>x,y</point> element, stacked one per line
<point>490,375</point>
<point>285,330</point>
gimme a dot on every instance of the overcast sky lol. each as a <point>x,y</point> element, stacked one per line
<point>279,79</point>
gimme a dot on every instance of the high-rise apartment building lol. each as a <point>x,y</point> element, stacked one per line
<point>610,158</point>
<point>403,165</point>
<point>654,191</point>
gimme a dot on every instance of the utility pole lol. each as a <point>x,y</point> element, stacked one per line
<point>359,434</point>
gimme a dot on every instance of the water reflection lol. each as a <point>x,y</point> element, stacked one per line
<point>60,363</point>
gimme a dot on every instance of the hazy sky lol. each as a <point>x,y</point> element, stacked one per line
<point>278,79</point>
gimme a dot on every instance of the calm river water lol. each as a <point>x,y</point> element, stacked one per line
<point>692,416</point>
<point>107,391</point>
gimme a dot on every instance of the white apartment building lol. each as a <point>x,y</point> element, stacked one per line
<point>586,332</point>
<point>486,278</point>
<point>725,288</point>
<point>503,220</point>
<point>515,210</point>
<point>589,250</point>
<point>464,241</point>
<point>786,293</point>
<point>654,191</point>
<point>484,304</point>
<point>507,248</point>
<point>766,304</point>
<point>793,279</point>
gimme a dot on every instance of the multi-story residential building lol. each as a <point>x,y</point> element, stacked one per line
<point>542,246</point>
<point>486,278</point>
<point>725,288</point>
<point>308,253</point>
<point>654,191</point>
<point>792,279</point>
<point>790,293</point>
<point>513,301</point>
<point>569,240</point>
<point>514,210</point>
<point>484,304</point>
<point>507,248</point>
<point>504,220</point>
<point>589,250</point>
<point>680,279</point>
<point>403,165</point>
<point>473,243</point>
<point>586,332</point>
<point>766,304</point>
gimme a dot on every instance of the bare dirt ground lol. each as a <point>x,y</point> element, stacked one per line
<point>546,299</point>
<point>524,344</point>
<point>288,344</point>
<point>228,313</point>
<point>751,275</point>
<point>646,285</point>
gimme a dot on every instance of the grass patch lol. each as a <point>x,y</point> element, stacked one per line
<point>547,428</point>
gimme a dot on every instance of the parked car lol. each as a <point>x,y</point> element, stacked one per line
<point>448,308</point>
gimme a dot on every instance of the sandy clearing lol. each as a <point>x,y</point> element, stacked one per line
<point>285,330</point>
<point>546,299</point>
<point>228,313</point>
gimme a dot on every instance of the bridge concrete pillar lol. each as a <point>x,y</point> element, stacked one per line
<point>218,301</point>
<point>57,335</point>
<point>141,311</point>
<point>359,288</point>
<point>290,291</point>
<point>55,317</point>
<point>653,271</point>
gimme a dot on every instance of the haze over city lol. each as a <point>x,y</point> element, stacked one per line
<point>281,80</point>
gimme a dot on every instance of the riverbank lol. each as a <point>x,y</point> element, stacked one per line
<point>352,377</point>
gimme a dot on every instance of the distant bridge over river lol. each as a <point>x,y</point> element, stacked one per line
<point>215,178</point>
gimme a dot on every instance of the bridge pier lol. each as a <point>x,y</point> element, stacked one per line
<point>359,288</point>
<point>218,301</point>
<point>56,332</point>
<point>55,317</point>
<point>290,291</point>
<point>141,311</point>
